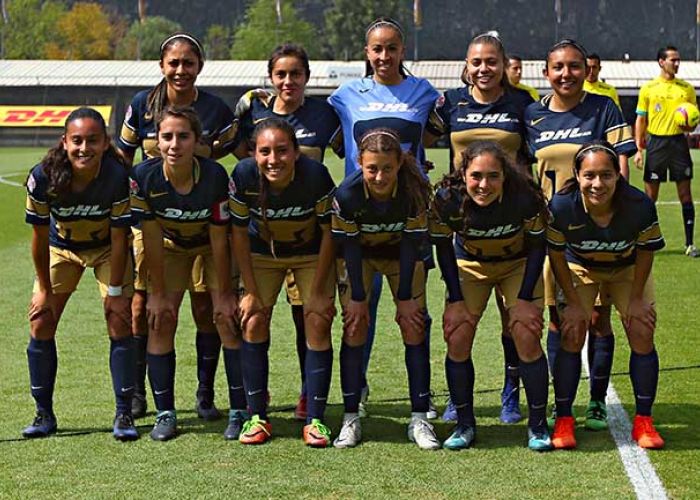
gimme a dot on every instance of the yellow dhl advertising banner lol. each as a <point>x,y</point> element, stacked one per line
<point>42,116</point>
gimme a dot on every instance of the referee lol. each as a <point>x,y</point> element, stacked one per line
<point>667,149</point>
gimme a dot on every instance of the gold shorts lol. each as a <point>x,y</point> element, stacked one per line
<point>270,273</point>
<point>179,266</point>
<point>552,291</point>
<point>387,267</point>
<point>477,279</point>
<point>66,268</point>
<point>293,295</point>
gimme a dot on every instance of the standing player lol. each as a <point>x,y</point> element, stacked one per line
<point>281,206</point>
<point>514,70</point>
<point>181,60</point>
<point>314,122</point>
<point>557,125</point>
<point>380,217</point>
<point>486,108</point>
<point>488,225</point>
<point>78,206</point>
<point>602,238</point>
<point>668,155</point>
<point>596,86</point>
<point>182,203</point>
<point>386,97</point>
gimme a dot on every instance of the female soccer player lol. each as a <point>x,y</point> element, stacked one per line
<point>314,122</point>
<point>380,216</point>
<point>181,201</point>
<point>486,108</point>
<point>489,230</point>
<point>78,206</point>
<point>557,125</point>
<point>386,97</point>
<point>281,202</point>
<point>181,60</point>
<point>602,240</point>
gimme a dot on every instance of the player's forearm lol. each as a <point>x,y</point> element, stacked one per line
<point>154,253</point>
<point>40,256</point>
<point>218,236</point>
<point>117,258</point>
<point>563,275</point>
<point>241,251</point>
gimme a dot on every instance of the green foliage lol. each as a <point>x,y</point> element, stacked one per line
<point>217,42</point>
<point>257,37</point>
<point>142,40</point>
<point>346,21</point>
<point>32,23</point>
<point>84,32</point>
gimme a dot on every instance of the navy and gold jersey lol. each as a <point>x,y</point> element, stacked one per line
<point>218,127</point>
<point>314,123</point>
<point>634,226</point>
<point>184,218</point>
<point>555,137</point>
<point>379,225</point>
<point>497,232</point>
<point>293,219</point>
<point>81,221</point>
<point>458,114</point>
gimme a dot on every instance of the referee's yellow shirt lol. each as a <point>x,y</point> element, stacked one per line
<point>530,90</point>
<point>658,99</point>
<point>602,88</point>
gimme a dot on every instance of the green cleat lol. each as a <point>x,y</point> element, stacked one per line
<point>538,439</point>
<point>596,416</point>
<point>461,438</point>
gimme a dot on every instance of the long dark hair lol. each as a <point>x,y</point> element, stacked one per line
<point>289,50</point>
<point>385,22</point>
<point>158,96</point>
<point>489,38</point>
<point>56,164</point>
<point>417,187</point>
<point>598,146</point>
<point>515,183</point>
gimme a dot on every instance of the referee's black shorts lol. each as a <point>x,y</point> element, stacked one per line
<point>668,153</point>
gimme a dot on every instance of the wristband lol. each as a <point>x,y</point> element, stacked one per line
<point>114,291</point>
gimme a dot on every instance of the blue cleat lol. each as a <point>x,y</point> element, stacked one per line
<point>461,438</point>
<point>236,419</point>
<point>44,424</point>
<point>165,427</point>
<point>450,413</point>
<point>124,428</point>
<point>538,439</point>
<point>510,405</point>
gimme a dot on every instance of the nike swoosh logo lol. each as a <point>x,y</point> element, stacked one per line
<point>237,388</point>
<point>538,120</point>
<point>348,394</point>
<point>574,227</point>
<point>209,358</point>
<point>423,394</point>
<point>253,393</point>
<point>316,398</point>
<point>37,387</point>
<point>156,195</point>
<point>158,393</point>
<point>126,389</point>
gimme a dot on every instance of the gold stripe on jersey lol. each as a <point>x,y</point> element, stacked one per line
<point>139,204</point>
<point>619,135</point>
<point>659,99</point>
<point>499,248</point>
<point>437,228</point>
<point>460,139</point>
<point>346,227</point>
<point>555,237</point>
<point>288,231</point>
<point>417,224</point>
<point>120,209</point>
<point>129,135</point>
<point>650,235</point>
<point>37,208</point>
<point>183,231</point>
<point>219,146</point>
<point>82,230</point>
<point>324,208</point>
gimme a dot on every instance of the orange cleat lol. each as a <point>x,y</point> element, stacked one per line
<point>646,435</point>
<point>316,434</point>
<point>255,431</point>
<point>563,437</point>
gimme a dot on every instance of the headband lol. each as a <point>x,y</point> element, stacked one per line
<point>384,22</point>
<point>186,37</point>
<point>386,133</point>
<point>595,147</point>
<point>568,42</point>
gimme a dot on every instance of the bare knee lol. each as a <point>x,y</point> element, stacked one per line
<point>600,325</point>
<point>459,343</point>
<point>527,343</point>
<point>139,318</point>
<point>202,311</point>
<point>257,328</point>
<point>318,332</point>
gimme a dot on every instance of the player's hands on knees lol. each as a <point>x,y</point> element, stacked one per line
<point>528,314</point>
<point>249,306</point>
<point>639,160</point>
<point>456,314</point>
<point>410,315</point>
<point>226,311</point>
<point>574,321</point>
<point>642,311</point>
<point>321,305</point>
<point>42,302</point>
<point>120,307</point>
<point>355,316</point>
<point>159,310</point>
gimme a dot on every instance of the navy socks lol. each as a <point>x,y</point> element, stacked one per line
<point>644,372</point>
<point>460,380</point>
<point>567,372</point>
<point>600,359</point>
<point>319,366</point>
<point>161,374</point>
<point>234,377</point>
<point>535,380</point>
<point>512,363</point>
<point>351,376</point>
<point>208,348</point>
<point>121,365</point>
<point>43,363</point>
<point>418,368</point>
<point>256,368</point>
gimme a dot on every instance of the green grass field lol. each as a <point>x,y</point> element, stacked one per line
<point>83,460</point>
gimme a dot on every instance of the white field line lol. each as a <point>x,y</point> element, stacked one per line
<point>3,179</point>
<point>639,469</point>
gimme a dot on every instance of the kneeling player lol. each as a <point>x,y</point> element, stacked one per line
<point>602,239</point>
<point>78,205</point>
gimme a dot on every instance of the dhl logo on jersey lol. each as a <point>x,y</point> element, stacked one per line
<point>42,116</point>
<point>562,134</point>
<point>80,211</point>
<point>601,246</point>
<point>176,213</point>
<point>284,213</point>
<point>384,107</point>
<point>494,232</point>
<point>486,118</point>
<point>382,228</point>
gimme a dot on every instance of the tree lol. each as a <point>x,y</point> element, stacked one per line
<point>261,32</point>
<point>84,32</point>
<point>142,40</point>
<point>218,42</point>
<point>31,24</point>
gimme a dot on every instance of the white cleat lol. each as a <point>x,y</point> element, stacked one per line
<point>421,432</point>
<point>692,251</point>
<point>350,434</point>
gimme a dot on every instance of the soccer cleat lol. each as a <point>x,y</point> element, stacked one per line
<point>316,434</point>
<point>205,407</point>
<point>596,416</point>
<point>300,409</point>
<point>236,421</point>
<point>421,432</point>
<point>510,405</point>
<point>432,413</point>
<point>124,428</point>
<point>692,251</point>
<point>165,427</point>
<point>563,437</point>
<point>462,437</point>
<point>450,413</point>
<point>350,434</point>
<point>138,405</point>
<point>538,439</point>
<point>43,425</point>
<point>255,431</point>
<point>364,396</point>
<point>645,434</point>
